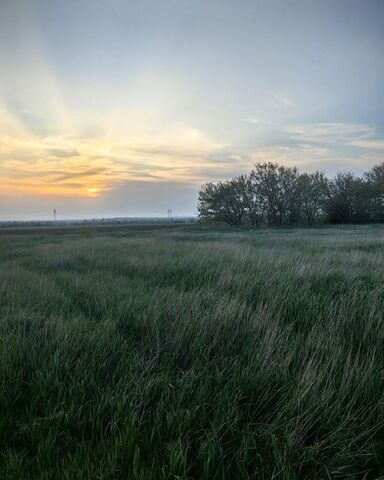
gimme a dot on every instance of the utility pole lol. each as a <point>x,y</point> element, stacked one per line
<point>54,215</point>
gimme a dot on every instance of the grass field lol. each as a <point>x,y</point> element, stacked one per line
<point>193,354</point>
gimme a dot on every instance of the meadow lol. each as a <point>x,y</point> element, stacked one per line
<point>193,353</point>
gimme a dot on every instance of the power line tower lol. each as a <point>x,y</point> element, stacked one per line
<point>170,218</point>
<point>54,215</point>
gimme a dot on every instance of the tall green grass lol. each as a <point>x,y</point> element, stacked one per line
<point>193,355</point>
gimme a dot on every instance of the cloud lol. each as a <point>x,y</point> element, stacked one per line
<point>82,174</point>
<point>80,165</point>
<point>345,133</point>
<point>370,144</point>
<point>314,159</point>
<point>347,141</point>
<point>256,121</point>
<point>60,152</point>
<point>324,146</point>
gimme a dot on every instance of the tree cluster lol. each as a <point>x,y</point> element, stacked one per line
<point>275,195</point>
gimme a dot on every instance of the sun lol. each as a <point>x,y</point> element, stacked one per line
<point>93,190</point>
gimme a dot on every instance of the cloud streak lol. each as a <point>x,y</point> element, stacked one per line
<point>328,133</point>
<point>45,165</point>
<point>80,166</point>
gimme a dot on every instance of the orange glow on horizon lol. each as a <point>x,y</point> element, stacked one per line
<point>89,165</point>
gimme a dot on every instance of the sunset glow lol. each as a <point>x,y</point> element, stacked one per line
<point>100,100</point>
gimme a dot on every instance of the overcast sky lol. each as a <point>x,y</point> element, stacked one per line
<point>125,107</point>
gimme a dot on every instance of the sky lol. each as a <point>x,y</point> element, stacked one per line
<point>125,107</point>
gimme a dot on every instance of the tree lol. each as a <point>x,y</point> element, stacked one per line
<point>348,200</point>
<point>276,187</point>
<point>375,186</point>
<point>276,195</point>
<point>221,202</point>
<point>252,201</point>
<point>313,190</point>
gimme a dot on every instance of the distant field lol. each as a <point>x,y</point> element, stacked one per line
<point>189,353</point>
<point>81,229</point>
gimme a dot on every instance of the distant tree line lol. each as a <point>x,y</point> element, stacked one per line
<point>275,195</point>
